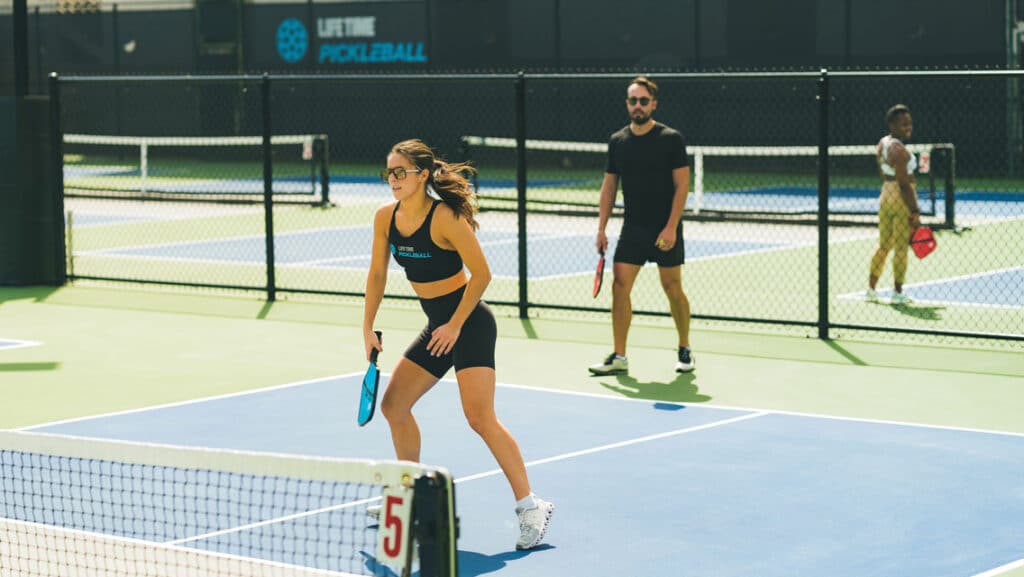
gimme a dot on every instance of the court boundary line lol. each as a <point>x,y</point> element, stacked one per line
<point>359,374</point>
<point>474,477</point>
<point>19,344</point>
<point>859,295</point>
<point>190,242</point>
<point>618,444</point>
<point>169,546</point>
<point>32,428</point>
<point>1001,569</point>
<point>774,412</point>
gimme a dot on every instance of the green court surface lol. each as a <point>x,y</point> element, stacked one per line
<point>99,350</point>
<point>103,349</point>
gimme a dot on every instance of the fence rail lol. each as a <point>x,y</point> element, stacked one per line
<point>779,229</point>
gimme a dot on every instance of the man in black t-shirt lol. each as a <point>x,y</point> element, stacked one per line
<point>650,159</point>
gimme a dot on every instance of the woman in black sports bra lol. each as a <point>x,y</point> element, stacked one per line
<point>434,241</point>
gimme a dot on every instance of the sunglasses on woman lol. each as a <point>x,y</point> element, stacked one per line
<point>398,171</point>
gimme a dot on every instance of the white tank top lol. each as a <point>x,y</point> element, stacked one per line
<point>883,157</point>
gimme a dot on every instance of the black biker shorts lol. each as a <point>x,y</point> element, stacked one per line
<point>475,345</point>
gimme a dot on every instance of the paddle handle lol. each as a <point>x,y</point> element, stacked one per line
<point>374,351</point>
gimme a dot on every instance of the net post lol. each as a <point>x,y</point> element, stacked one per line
<point>57,176</point>
<point>950,184</point>
<point>521,190</point>
<point>931,177</point>
<point>436,527</point>
<point>70,242</point>
<point>143,165</point>
<point>464,148</point>
<point>698,178</point>
<point>823,184</point>
<point>325,171</point>
<point>268,186</point>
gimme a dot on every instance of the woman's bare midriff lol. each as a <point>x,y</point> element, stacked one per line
<point>439,288</point>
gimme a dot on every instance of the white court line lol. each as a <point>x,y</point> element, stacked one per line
<point>1003,569</point>
<point>557,392</point>
<point>189,402</point>
<point>475,477</point>
<point>19,344</point>
<point>770,411</point>
<point>750,414</point>
<point>310,513</point>
<point>859,295</point>
<point>113,250</point>
<point>619,444</point>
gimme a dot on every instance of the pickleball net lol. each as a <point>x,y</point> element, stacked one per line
<point>76,506</point>
<point>777,184</point>
<point>222,169</point>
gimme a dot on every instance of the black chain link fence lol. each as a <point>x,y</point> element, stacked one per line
<point>294,159</point>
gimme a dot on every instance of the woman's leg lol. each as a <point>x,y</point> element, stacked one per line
<point>476,387</point>
<point>885,243</point>
<point>901,246</point>
<point>408,383</point>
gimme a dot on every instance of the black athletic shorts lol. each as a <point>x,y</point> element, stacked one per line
<point>476,342</point>
<point>636,246</point>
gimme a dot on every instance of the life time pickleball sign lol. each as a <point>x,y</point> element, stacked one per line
<point>342,35</point>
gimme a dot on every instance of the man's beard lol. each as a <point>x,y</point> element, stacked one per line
<point>640,118</point>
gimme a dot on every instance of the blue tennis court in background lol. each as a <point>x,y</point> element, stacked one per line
<point>655,488</point>
<point>350,248</point>
<point>999,288</point>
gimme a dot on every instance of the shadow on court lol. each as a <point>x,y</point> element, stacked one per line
<point>682,389</point>
<point>16,367</point>
<point>36,293</point>
<point>924,313</point>
<point>472,564</point>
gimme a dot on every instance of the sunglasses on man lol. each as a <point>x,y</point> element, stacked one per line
<point>643,100</point>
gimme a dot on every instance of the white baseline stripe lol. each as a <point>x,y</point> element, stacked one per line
<point>187,402</point>
<point>771,411</point>
<point>610,446</point>
<point>19,344</point>
<point>475,477</point>
<point>239,528</point>
<point>1004,569</point>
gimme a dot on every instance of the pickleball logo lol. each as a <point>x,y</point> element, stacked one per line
<point>408,252</point>
<point>292,40</point>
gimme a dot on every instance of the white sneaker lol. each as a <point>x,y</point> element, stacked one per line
<point>611,365</point>
<point>685,362</point>
<point>900,299</point>
<point>373,511</point>
<point>871,296</point>
<point>533,523</point>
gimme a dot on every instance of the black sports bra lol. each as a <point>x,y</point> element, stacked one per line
<point>417,253</point>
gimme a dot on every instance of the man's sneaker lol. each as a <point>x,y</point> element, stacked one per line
<point>613,364</point>
<point>533,523</point>
<point>871,296</point>
<point>685,363</point>
<point>373,511</point>
<point>900,299</point>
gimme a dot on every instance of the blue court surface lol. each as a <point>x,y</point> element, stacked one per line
<point>660,489</point>
<point>86,219</point>
<point>999,288</point>
<point>800,199</point>
<point>350,248</point>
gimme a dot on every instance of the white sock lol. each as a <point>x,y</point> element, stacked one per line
<point>527,502</point>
